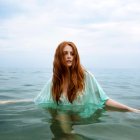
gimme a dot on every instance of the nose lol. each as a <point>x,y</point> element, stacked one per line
<point>69,55</point>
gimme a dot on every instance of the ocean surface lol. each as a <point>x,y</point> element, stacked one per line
<point>21,119</point>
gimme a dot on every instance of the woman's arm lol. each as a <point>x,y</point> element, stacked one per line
<point>15,101</point>
<point>116,105</point>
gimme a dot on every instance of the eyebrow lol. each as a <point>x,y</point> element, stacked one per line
<point>67,51</point>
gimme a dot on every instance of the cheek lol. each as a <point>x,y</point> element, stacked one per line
<point>65,56</point>
<point>72,58</point>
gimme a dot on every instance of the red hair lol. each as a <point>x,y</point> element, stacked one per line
<point>60,71</point>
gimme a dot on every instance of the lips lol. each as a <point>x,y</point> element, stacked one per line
<point>68,61</point>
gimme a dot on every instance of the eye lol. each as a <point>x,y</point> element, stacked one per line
<point>72,53</point>
<point>65,52</point>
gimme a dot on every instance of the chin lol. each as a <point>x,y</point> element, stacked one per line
<point>69,65</point>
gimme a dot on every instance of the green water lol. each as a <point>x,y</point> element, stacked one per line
<point>25,121</point>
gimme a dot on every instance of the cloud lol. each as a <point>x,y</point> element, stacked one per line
<point>99,28</point>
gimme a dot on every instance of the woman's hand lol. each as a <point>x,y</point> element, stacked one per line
<point>135,110</point>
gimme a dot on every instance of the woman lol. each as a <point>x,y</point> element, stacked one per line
<point>72,88</point>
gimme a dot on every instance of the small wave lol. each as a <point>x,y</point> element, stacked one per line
<point>4,79</point>
<point>28,85</point>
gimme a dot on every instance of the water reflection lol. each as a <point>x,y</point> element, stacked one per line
<point>62,124</point>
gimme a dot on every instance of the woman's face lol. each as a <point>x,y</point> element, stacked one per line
<point>68,55</point>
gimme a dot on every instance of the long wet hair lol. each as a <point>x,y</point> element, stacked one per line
<point>61,72</point>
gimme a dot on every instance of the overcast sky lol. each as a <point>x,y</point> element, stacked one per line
<point>106,32</point>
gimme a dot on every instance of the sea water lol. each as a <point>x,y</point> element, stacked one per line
<point>23,120</point>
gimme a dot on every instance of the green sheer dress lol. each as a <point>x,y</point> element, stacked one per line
<point>92,98</point>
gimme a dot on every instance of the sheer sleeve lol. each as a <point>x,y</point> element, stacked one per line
<point>95,92</point>
<point>45,94</point>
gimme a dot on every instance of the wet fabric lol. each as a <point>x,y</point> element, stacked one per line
<point>87,102</point>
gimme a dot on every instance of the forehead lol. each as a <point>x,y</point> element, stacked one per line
<point>68,48</point>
